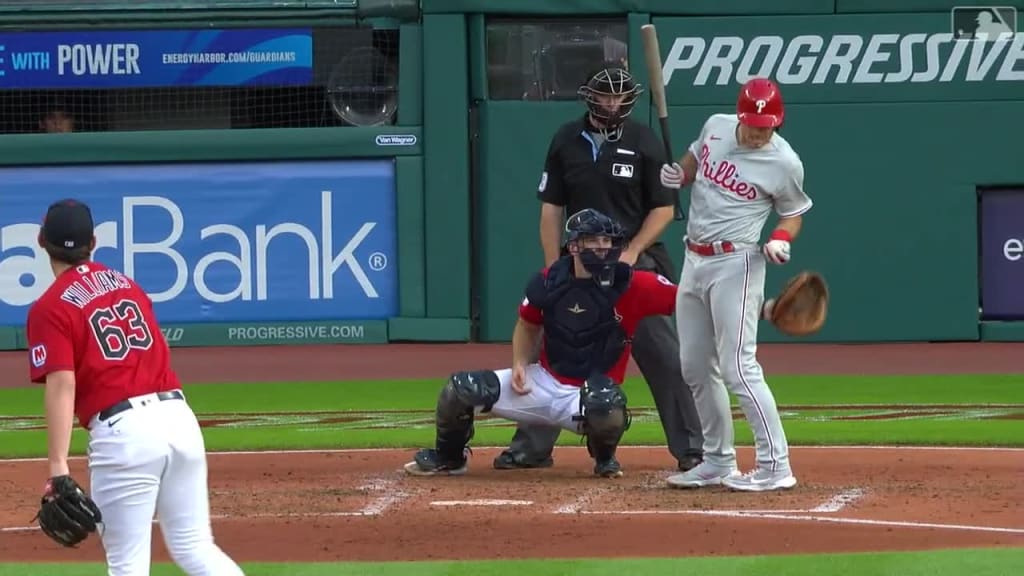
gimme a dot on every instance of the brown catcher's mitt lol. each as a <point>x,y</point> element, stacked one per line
<point>801,306</point>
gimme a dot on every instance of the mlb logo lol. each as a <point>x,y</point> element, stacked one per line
<point>983,22</point>
<point>38,355</point>
<point>622,170</point>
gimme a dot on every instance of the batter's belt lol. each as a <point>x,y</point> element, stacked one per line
<point>718,247</point>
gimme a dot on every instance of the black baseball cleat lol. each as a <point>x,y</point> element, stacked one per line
<point>428,462</point>
<point>689,462</point>
<point>509,460</point>
<point>609,468</point>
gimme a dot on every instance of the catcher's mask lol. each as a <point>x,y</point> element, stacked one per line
<point>597,240</point>
<point>610,94</point>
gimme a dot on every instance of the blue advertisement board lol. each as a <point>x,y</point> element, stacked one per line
<point>1001,241</point>
<point>236,242</point>
<point>155,58</point>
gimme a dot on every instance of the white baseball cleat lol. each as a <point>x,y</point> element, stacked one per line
<point>761,480</point>
<point>704,474</point>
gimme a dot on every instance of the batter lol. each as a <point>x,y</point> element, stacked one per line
<point>741,169</point>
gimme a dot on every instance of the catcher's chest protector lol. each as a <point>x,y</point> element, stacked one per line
<point>582,334</point>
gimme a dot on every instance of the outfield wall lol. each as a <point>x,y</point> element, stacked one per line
<point>425,230</point>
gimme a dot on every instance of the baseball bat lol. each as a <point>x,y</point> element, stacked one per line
<point>652,54</point>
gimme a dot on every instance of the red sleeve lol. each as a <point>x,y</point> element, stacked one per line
<point>530,313</point>
<point>50,347</point>
<point>658,293</point>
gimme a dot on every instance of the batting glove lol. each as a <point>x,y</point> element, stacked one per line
<point>672,176</point>
<point>776,250</point>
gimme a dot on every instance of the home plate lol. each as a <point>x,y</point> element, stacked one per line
<point>481,502</point>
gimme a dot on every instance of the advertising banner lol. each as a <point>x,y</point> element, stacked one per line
<point>1002,254</point>
<point>156,58</point>
<point>239,242</point>
<point>838,58</point>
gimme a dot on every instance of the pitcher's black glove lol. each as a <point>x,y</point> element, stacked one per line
<point>67,514</point>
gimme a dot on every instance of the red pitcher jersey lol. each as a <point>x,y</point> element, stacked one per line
<point>98,323</point>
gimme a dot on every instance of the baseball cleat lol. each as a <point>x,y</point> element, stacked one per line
<point>761,480</point>
<point>704,474</point>
<point>428,462</point>
<point>509,460</point>
<point>609,468</point>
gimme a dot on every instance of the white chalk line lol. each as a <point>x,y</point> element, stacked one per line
<point>390,496</point>
<point>482,502</point>
<point>801,516</point>
<point>575,506</point>
<point>839,501</point>
<point>561,448</point>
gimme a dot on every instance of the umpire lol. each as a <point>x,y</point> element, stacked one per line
<point>606,161</point>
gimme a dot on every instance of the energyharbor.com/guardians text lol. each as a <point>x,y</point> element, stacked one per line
<point>230,57</point>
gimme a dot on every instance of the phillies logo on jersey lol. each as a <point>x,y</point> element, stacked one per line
<point>38,354</point>
<point>723,173</point>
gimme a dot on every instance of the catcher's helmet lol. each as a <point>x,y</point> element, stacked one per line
<point>590,222</point>
<point>760,104</point>
<point>610,94</point>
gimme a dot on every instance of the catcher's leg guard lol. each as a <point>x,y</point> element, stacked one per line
<point>459,399</point>
<point>605,419</point>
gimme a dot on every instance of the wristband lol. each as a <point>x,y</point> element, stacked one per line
<point>780,234</point>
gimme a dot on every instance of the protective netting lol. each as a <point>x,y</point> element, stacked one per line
<point>354,83</point>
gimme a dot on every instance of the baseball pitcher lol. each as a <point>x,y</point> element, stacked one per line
<point>95,343</point>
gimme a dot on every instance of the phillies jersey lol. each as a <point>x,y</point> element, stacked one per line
<point>648,294</point>
<point>736,188</point>
<point>98,323</point>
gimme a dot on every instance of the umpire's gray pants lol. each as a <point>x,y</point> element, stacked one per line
<point>656,352</point>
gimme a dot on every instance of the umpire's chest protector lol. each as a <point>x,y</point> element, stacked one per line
<point>582,334</point>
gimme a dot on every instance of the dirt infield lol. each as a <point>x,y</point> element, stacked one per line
<point>356,505</point>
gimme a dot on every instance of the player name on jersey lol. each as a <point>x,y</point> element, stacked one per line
<point>93,285</point>
<point>846,58</point>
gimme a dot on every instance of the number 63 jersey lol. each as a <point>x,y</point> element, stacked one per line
<point>100,324</point>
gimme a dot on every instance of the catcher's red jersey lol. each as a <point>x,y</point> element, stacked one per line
<point>98,323</point>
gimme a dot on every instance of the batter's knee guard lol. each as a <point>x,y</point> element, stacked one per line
<point>460,397</point>
<point>604,415</point>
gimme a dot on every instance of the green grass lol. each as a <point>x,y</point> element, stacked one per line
<point>976,562</point>
<point>420,395</point>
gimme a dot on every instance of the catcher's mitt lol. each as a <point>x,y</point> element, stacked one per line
<point>67,514</point>
<point>802,305</point>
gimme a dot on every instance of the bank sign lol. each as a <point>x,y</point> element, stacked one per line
<point>234,242</point>
<point>850,58</point>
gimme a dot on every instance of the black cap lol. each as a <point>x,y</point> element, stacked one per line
<point>68,224</point>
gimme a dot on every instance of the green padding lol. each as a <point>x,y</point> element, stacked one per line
<point>276,333</point>
<point>412,299</point>
<point>210,145</point>
<point>9,339</point>
<point>514,140</point>
<point>529,8</point>
<point>943,6</point>
<point>428,330</point>
<point>1002,331</point>
<point>446,168</point>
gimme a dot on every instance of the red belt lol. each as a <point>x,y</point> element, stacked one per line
<point>711,249</point>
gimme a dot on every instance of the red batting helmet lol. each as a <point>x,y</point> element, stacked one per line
<point>760,104</point>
